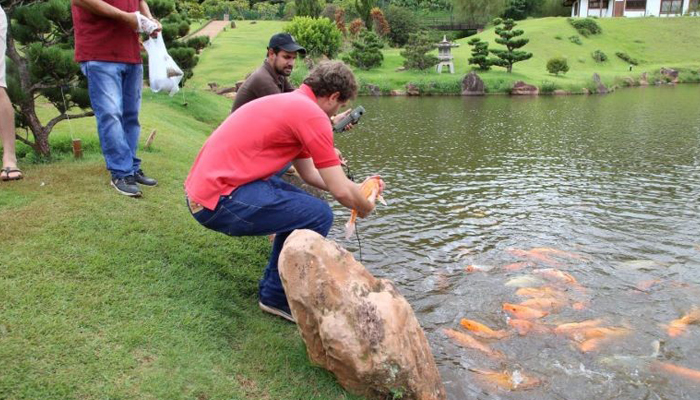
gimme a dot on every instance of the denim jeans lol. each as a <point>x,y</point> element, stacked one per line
<point>115,95</point>
<point>263,208</point>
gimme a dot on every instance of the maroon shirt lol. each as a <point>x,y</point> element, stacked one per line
<point>104,39</point>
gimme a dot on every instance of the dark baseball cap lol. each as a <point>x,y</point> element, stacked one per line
<point>285,42</point>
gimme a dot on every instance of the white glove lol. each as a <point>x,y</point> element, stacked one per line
<point>145,25</point>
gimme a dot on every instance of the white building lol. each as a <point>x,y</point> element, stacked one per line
<point>630,8</point>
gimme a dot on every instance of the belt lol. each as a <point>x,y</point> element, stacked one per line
<point>193,205</point>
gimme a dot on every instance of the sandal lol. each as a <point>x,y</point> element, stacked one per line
<point>5,174</point>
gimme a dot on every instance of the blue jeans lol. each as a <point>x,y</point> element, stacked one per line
<point>263,208</point>
<point>115,95</point>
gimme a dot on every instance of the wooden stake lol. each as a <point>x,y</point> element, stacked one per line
<point>77,148</point>
<point>149,141</point>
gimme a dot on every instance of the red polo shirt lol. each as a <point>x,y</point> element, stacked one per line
<point>103,39</point>
<point>258,140</point>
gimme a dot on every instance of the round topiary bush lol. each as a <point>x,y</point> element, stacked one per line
<point>556,65</point>
<point>319,36</point>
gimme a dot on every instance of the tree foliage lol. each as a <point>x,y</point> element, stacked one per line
<point>416,52</point>
<point>340,20</point>
<point>402,23</point>
<point>308,8</point>
<point>364,9</point>
<point>509,38</point>
<point>478,11</point>
<point>480,54</point>
<point>521,9</point>
<point>381,25</point>
<point>356,26</point>
<point>366,51</point>
<point>319,36</point>
<point>556,65</point>
<point>40,48</point>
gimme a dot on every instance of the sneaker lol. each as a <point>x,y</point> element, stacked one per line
<point>142,179</point>
<point>127,186</point>
<point>283,311</point>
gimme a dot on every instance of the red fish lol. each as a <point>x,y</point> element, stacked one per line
<point>679,326</point>
<point>683,372</point>
<point>523,327</point>
<point>465,340</point>
<point>522,312</point>
<point>507,380</point>
<point>371,189</point>
<point>572,327</point>
<point>482,330</point>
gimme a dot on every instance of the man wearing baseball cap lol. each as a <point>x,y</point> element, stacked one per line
<point>271,77</point>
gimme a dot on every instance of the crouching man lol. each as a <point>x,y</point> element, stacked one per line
<point>232,187</point>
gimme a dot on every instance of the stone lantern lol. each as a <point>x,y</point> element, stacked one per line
<point>445,56</point>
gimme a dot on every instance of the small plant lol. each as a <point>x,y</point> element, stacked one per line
<point>585,26</point>
<point>356,26</point>
<point>556,65</point>
<point>599,56</point>
<point>626,57</point>
<point>366,53</point>
<point>548,87</point>
<point>558,37</point>
<point>575,39</point>
<point>581,60</point>
<point>416,53</point>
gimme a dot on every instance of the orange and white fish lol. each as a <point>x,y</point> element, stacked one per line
<point>572,327</point>
<point>679,326</point>
<point>507,380</point>
<point>556,252</point>
<point>544,291</point>
<point>465,340</point>
<point>683,372</point>
<point>533,255</point>
<point>523,326</point>
<point>482,330</point>
<point>371,189</point>
<point>557,275</point>
<point>590,339</point>
<point>478,268</point>
<point>522,312</point>
<point>517,266</point>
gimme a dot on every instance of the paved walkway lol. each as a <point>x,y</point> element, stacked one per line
<point>212,29</point>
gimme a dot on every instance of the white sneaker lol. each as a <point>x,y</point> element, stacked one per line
<point>278,312</point>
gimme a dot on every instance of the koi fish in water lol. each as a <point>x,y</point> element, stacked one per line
<point>482,330</point>
<point>523,312</point>
<point>523,327</point>
<point>371,190</point>
<point>507,380</point>
<point>679,326</point>
<point>465,340</point>
<point>683,372</point>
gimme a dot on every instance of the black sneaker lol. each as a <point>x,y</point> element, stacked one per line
<point>142,179</point>
<point>283,312</point>
<point>127,186</point>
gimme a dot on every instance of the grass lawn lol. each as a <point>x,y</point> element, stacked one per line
<point>104,296</point>
<point>656,42</point>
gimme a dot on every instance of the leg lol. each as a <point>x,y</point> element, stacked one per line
<point>131,103</point>
<point>7,134</point>
<point>105,82</point>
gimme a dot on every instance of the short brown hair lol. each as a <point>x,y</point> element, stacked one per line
<point>332,76</point>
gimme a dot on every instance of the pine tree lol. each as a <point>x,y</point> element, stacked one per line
<point>509,38</point>
<point>416,52</point>
<point>366,53</point>
<point>480,53</point>
<point>40,48</point>
<point>308,8</point>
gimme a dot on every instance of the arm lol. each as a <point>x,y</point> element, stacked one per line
<point>308,172</point>
<point>103,9</point>
<point>345,191</point>
<point>146,12</point>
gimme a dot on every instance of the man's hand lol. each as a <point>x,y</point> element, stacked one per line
<point>340,156</point>
<point>338,117</point>
<point>147,25</point>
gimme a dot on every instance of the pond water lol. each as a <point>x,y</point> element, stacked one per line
<point>604,188</point>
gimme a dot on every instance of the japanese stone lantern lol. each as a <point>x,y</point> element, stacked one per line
<point>445,56</point>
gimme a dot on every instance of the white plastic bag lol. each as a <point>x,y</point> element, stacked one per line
<point>163,72</point>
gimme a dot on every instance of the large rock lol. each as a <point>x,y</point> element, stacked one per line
<point>374,90</point>
<point>644,80</point>
<point>522,88</point>
<point>600,87</point>
<point>472,85</point>
<point>670,74</point>
<point>356,326</point>
<point>412,89</point>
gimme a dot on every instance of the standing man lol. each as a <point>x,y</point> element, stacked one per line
<point>232,187</point>
<point>272,76</point>
<point>9,172</point>
<point>108,50</point>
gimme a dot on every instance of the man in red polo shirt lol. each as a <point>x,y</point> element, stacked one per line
<point>108,50</point>
<point>232,187</point>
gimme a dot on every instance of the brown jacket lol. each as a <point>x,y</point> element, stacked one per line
<point>264,81</point>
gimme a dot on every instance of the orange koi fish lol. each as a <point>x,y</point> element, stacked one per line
<point>482,330</point>
<point>590,339</point>
<point>572,327</point>
<point>683,372</point>
<point>371,190</point>
<point>465,340</point>
<point>507,380</point>
<point>478,268</point>
<point>545,291</point>
<point>557,275</point>
<point>523,312</point>
<point>533,255</point>
<point>543,303</point>
<point>556,252</point>
<point>679,326</point>
<point>517,266</point>
<point>523,327</point>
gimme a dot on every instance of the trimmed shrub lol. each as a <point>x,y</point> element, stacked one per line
<point>356,26</point>
<point>480,54</point>
<point>198,42</point>
<point>319,36</point>
<point>599,56</point>
<point>402,23</point>
<point>626,57</point>
<point>366,53</point>
<point>416,53</point>
<point>585,26</point>
<point>556,65</point>
<point>575,39</point>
